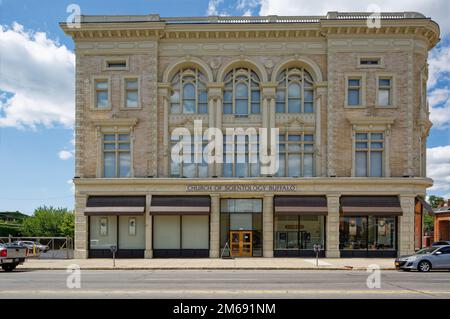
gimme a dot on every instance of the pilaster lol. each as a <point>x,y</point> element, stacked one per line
<point>332,227</point>
<point>214,237</point>
<point>406,225</point>
<point>148,228</point>
<point>268,226</point>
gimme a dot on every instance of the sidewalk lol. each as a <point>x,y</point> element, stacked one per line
<point>210,263</point>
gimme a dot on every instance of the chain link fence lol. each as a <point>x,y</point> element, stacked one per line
<point>44,247</point>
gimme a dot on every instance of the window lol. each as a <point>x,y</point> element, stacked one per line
<point>296,155</point>
<point>115,64</point>
<point>132,93</point>
<point>241,94</point>
<point>385,91</point>
<point>295,93</point>
<point>189,94</point>
<point>369,61</point>
<point>242,161</point>
<point>191,165</point>
<point>354,92</point>
<point>367,233</point>
<point>116,155</point>
<point>101,94</point>
<point>369,149</point>
<point>296,232</point>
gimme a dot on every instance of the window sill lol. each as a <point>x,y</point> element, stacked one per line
<point>100,110</point>
<point>385,106</point>
<point>123,108</point>
<point>356,107</point>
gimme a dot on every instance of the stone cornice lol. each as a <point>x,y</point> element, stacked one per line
<point>319,27</point>
<point>371,120</point>
<point>115,122</point>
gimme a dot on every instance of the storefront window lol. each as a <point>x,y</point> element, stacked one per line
<point>181,232</point>
<point>103,232</point>
<point>367,233</point>
<point>131,232</point>
<point>242,215</point>
<point>299,232</point>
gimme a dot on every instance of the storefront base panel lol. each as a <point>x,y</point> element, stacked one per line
<point>181,253</point>
<point>121,253</point>
<point>368,254</point>
<point>297,253</point>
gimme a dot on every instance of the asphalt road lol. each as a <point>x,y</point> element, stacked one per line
<point>223,284</point>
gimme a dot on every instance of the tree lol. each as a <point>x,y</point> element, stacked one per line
<point>435,200</point>
<point>49,222</point>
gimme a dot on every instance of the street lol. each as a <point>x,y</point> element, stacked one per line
<point>223,284</point>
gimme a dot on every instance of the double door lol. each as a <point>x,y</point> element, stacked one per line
<point>241,243</point>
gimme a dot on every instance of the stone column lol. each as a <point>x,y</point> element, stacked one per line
<point>81,243</point>
<point>332,227</point>
<point>148,228</point>
<point>214,228</point>
<point>268,226</point>
<point>406,225</point>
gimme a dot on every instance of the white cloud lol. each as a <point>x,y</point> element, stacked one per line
<point>65,155</point>
<point>436,9</point>
<point>439,100</point>
<point>439,61</point>
<point>438,167</point>
<point>72,186</point>
<point>213,7</point>
<point>38,74</point>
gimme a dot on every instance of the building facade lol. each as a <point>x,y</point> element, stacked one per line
<point>348,99</point>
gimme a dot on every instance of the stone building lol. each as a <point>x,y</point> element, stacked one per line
<point>347,94</point>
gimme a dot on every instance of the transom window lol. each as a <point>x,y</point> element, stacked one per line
<point>295,93</point>
<point>116,155</point>
<point>241,94</point>
<point>296,155</point>
<point>189,94</point>
<point>369,149</point>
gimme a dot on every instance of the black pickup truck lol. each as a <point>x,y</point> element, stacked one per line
<point>12,255</point>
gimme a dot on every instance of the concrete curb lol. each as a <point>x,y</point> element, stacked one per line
<point>204,268</point>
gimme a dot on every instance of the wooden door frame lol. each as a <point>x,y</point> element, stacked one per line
<point>241,242</point>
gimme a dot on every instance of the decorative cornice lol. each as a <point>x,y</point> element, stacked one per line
<point>151,27</point>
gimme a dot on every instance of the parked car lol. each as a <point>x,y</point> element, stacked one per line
<point>11,256</point>
<point>31,244</point>
<point>441,243</point>
<point>434,257</point>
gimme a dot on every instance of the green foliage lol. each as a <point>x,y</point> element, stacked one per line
<point>428,223</point>
<point>435,200</point>
<point>49,222</point>
<point>8,229</point>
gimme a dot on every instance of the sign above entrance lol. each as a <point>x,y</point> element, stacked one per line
<point>241,188</point>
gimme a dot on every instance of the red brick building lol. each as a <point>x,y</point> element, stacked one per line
<point>442,222</point>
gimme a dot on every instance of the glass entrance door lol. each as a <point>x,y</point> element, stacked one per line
<point>241,243</point>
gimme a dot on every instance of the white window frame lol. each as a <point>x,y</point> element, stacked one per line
<point>186,72</point>
<point>362,87</point>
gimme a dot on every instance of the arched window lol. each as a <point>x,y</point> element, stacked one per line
<point>189,92</point>
<point>295,92</point>
<point>241,95</point>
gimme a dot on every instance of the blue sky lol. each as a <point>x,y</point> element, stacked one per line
<point>36,111</point>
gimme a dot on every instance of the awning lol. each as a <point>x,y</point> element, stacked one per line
<point>300,205</point>
<point>115,205</point>
<point>371,205</point>
<point>180,205</point>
